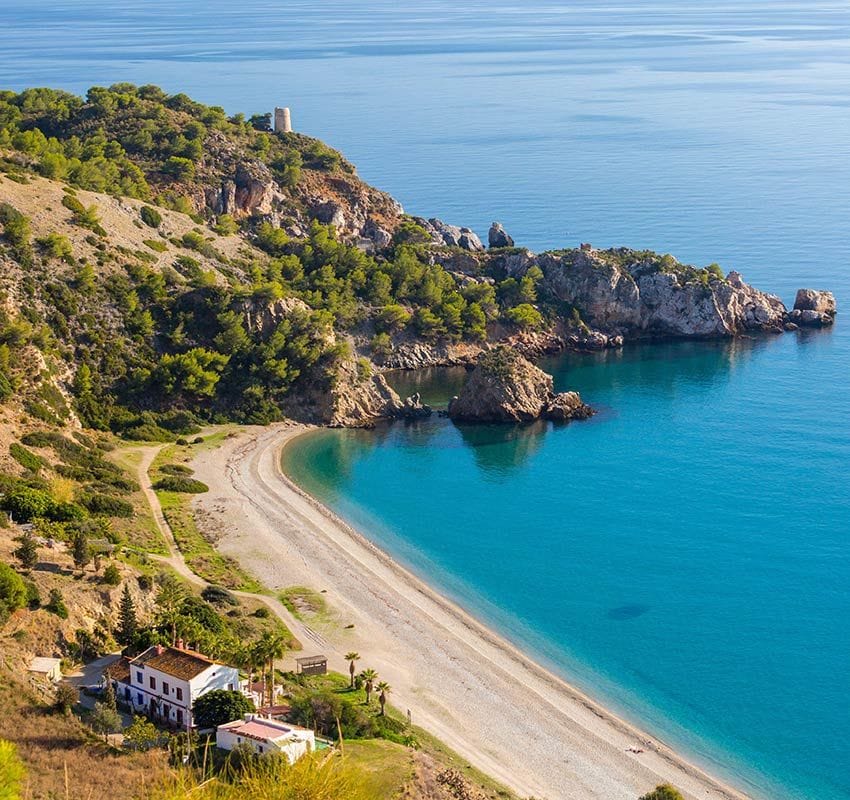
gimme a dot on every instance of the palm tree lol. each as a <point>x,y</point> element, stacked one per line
<point>384,688</point>
<point>369,677</point>
<point>271,646</point>
<point>351,658</point>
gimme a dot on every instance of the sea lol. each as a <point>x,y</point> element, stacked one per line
<point>684,556</point>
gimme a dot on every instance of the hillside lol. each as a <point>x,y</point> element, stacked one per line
<point>163,264</point>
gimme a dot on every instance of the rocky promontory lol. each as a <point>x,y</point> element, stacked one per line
<point>505,387</point>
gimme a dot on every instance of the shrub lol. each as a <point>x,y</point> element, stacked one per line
<point>56,604</point>
<point>180,168</point>
<point>66,698</point>
<point>55,245</point>
<point>33,595</point>
<point>150,216</point>
<point>175,469</point>
<point>225,225</point>
<point>13,591</point>
<point>262,613</point>
<point>215,594</point>
<point>27,459</point>
<point>220,706</point>
<point>25,503</point>
<point>111,575</point>
<point>156,245</point>
<point>175,483</point>
<point>663,791</point>
<point>107,505</point>
<point>525,316</point>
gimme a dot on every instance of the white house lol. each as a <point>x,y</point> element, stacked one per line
<point>48,668</point>
<point>266,736</point>
<point>164,682</point>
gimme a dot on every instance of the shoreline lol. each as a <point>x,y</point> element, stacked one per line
<point>458,675</point>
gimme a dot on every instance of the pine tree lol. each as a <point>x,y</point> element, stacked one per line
<point>81,551</point>
<point>27,552</point>
<point>127,623</point>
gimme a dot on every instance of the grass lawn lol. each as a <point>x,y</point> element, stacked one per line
<point>387,767</point>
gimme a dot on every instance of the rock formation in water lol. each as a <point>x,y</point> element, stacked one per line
<point>813,308</point>
<point>505,387</point>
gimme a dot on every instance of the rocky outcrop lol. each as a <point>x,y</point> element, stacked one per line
<point>497,236</point>
<point>635,294</point>
<point>413,408</point>
<point>445,235</point>
<point>505,387</point>
<point>418,354</point>
<point>813,308</point>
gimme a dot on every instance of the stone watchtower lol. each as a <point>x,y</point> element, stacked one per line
<point>282,121</point>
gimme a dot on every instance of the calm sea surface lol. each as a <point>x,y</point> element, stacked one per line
<point>684,556</point>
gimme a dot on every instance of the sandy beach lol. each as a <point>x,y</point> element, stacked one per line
<point>505,714</point>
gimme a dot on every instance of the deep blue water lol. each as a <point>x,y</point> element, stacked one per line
<point>683,555</point>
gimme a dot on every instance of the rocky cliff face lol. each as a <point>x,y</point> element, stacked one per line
<point>505,387</point>
<point>625,292</point>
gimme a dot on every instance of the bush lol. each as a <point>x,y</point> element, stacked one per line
<point>525,316</point>
<point>112,575</point>
<point>56,604</point>
<point>175,469</point>
<point>150,216</point>
<point>262,613</point>
<point>107,505</point>
<point>663,791</point>
<point>66,698</point>
<point>155,244</point>
<point>215,594</point>
<point>175,483</point>
<point>55,245</point>
<point>13,591</point>
<point>220,706</point>
<point>25,458</point>
<point>180,168</point>
<point>33,596</point>
<point>25,503</point>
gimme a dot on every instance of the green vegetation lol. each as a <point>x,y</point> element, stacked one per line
<point>176,483</point>
<point>12,772</point>
<point>13,591</point>
<point>663,791</point>
<point>220,706</point>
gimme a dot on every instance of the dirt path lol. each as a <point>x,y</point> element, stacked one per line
<point>308,637</point>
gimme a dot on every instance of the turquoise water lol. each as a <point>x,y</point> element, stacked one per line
<point>684,554</point>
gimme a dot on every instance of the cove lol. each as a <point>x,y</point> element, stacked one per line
<point>681,556</point>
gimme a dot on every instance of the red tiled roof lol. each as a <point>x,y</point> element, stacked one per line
<point>119,670</point>
<point>183,664</point>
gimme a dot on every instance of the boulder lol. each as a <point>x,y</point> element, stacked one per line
<point>413,408</point>
<point>445,235</point>
<point>566,406</point>
<point>499,237</point>
<point>505,387</point>
<point>813,308</point>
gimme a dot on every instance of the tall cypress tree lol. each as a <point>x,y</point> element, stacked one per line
<point>127,624</point>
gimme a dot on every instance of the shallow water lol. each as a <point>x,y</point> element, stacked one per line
<point>684,554</point>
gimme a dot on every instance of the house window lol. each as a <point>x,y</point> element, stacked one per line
<point>139,678</point>
<point>262,749</point>
<point>179,693</point>
<point>164,687</point>
<point>127,693</point>
<point>180,716</point>
<point>139,699</point>
<point>152,681</point>
<point>230,687</point>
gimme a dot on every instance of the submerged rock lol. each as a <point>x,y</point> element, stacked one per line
<point>505,387</point>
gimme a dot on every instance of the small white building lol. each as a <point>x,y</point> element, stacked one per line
<point>48,668</point>
<point>164,682</point>
<point>265,736</point>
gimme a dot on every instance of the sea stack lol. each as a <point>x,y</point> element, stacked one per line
<point>505,387</point>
